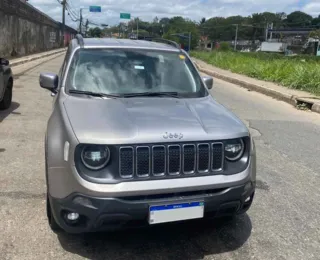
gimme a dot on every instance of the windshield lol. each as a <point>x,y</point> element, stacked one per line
<point>131,71</point>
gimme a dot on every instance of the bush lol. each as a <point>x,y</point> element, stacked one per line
<point>297,72</point>
<point>224,46</point>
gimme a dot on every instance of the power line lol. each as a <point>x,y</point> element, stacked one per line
<point>71,4</point>
<point>74,19</point>
<point>72,12</point>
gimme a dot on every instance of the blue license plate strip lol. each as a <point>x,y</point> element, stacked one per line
<point>175,212</point>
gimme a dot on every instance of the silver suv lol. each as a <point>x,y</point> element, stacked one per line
<point>135,138</point>
<point>6,84</point>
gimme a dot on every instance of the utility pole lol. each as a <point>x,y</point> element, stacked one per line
<point>267,32</point>
<point>236,38</point>
<point>80,27</point>
<point>137,28</point>
<point>86,26</point>
<point>189,49</point>
<point>271,27</point>
<point>63,2</point>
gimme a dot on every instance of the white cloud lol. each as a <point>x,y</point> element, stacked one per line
<point>312,9</point>
<point>193,9</point>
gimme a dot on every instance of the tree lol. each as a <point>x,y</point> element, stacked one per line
<point>179,25</point>
<point>202,21</point>
<point>316,22</point>
<point>217,28</point>
<point>298,19</point>
<point>95,32</point>
<point>315,34</point>
<point>156,20</point>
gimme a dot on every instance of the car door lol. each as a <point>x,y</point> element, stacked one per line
<point>2,86</point>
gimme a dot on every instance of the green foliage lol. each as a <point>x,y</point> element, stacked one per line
<point>299,18</point>
<point>216,28</point>
<point>297,72</point>
<point>95,32</point>
<point>179,25</point>
<point>315,34</point>
<point>224,46</point>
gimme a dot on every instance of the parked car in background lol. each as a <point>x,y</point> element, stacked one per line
<point>6,84</point>
<point>135,138</point>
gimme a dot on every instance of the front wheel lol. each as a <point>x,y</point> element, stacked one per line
<point>7,97</point>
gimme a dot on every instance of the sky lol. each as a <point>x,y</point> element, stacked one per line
<point>193,9</point>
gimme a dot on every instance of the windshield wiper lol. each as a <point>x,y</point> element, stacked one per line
<point>94,94</point>
<point>153,94</point>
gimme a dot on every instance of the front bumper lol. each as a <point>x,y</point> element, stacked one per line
<point>110,213</point>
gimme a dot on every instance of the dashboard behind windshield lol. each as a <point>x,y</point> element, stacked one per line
<point>128,71</point>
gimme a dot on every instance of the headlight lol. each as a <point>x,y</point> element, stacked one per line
<point>95,157</point>
<point>233,149</point>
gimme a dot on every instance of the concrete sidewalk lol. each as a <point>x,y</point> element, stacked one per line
<point>295,97</point>
<point>25,59</point>
<point>21,65</point>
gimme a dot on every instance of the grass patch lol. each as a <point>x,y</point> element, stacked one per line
<point>297,72</point>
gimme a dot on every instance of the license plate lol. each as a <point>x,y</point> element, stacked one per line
<point>175,212</point>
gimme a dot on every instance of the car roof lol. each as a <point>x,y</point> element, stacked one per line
<point>123,43</point>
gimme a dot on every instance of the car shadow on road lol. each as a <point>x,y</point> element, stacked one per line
<point>189,240</point>
<point>10,110</point>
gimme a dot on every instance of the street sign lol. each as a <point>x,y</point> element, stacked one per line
<point>125,16</point>
<point>95,9</point>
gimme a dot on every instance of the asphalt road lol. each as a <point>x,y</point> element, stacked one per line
<point>283,222</point>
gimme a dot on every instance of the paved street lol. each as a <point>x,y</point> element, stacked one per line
<point>283,222</point>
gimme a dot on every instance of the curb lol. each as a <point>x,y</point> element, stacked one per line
<point>33,58</point>
<point>291,99</point>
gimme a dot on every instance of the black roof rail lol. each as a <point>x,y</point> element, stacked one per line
<point>80,40</point>
<point>172,43</point>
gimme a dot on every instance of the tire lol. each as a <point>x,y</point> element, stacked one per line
<point>51,221</point>
<point>7,97</point>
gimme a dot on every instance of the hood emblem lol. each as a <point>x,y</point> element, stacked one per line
<point>172,135</point>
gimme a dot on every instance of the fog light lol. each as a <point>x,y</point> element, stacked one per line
<point>247,199</point>
<point>73,216</point>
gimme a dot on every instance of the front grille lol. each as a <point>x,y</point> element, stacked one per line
<point>143,161</point>
<point>203,157</point>
<point>170,160</point>
<point>189,158</point>
<point>174,159</point>
<point>126,163</point>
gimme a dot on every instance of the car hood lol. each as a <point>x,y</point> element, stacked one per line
<point>151,120</point>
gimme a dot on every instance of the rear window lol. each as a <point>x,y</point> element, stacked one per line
<point>128,71</point>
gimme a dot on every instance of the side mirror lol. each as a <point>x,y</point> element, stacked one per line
<point>208,81</point>
<point>4,62</point>
<point>49,81</point>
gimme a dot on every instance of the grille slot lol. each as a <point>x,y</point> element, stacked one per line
<point>126,162</point>
<point>158,160</point>
<point>170,160</point>
<point>203,158</point>
<point>189,158</point>
<point>174,159</point>
<point>217,156</point>
<point>143,161</point>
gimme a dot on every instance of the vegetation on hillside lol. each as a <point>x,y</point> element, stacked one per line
<point>216,28</point>
<point>298,72</point>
